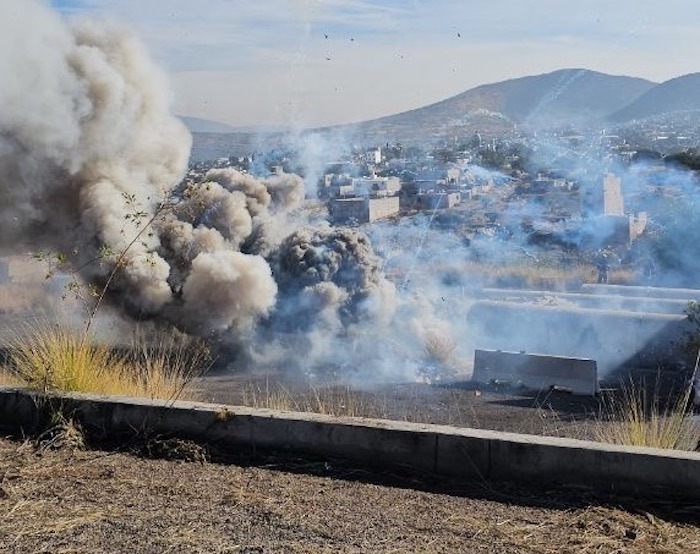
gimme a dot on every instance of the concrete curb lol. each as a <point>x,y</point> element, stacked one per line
<point>455,452</point>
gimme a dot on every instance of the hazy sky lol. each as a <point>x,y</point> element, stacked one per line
<point>317,62</point>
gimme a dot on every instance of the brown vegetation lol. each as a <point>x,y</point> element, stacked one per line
<point>87,501</point>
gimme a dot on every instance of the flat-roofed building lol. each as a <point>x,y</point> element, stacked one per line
<point>363,209</point>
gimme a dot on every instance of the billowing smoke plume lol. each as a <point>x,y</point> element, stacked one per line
<point>89,158</point>
<point>88,149</point>
<point>310,260</point>
<point>92,164</point>
<point>216,240</point>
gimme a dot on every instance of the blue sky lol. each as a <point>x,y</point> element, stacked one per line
<point>313,62</point>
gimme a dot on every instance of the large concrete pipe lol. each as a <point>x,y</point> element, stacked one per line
<point>641,292</point>
<point>590,300</point>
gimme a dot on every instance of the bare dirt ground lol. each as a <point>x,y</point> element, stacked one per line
<point>108,501</point>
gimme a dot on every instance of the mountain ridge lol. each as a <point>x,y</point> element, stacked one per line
<point>674,95</point>
<point>565,97</point>
<point>199,125</point>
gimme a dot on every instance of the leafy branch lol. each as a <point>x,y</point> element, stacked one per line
<point>143,222</point>
<point>137,217</point>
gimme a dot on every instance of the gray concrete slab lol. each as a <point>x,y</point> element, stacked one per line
<point>369,441</point>
<point>545,461</point>
<point>537,372</point>
<point>464,453</point>
<point>588,300</point>
<point>611,337</point>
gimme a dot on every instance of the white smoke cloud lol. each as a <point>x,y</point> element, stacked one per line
<point>222,280</point>
<point>90,152</point>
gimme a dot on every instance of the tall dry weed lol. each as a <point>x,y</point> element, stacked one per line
<point>638,417</point>
<point>336,400</point>
<point>49,357</point>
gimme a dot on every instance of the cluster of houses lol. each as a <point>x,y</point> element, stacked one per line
<point>369,197</point>
<point>550,208</point>
<point>374,185</point>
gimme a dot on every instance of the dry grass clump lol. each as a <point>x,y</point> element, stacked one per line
<point>636,418</point>
<point>168,361</point>
<point>8,379</point>
<point>548,275</point>
<point>440,348</point>
<point>622,276</point>
<point>175,449</point>
<point>62,432</point>
<point>545,276</point>
<point>50,357</point>
<point>531,274</point>
<point>441,351</point>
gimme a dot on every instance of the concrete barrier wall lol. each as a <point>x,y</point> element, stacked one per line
<point>611,337</point>
<point>536,371</point>
<point>641,292</point>
<point>461,453</point>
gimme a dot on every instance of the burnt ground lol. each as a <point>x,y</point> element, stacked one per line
<point>553,413</point>
<point>458,402</point>
<point>112,501</point>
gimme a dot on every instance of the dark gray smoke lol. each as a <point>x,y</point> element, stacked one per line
<point>340,256</point>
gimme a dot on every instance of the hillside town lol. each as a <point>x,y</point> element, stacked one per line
<point>562,190</point>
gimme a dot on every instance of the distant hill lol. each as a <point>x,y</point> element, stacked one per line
<point>196,125</point>
<point>567,96</point>
<point>212,146</point>
<point>564,97</point>
<point>675,95</point>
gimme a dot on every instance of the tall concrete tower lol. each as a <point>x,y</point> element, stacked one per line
<point>612,195</point>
